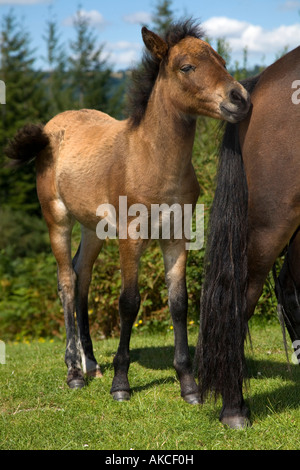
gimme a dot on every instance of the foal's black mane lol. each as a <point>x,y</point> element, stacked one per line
<point>144,77</point>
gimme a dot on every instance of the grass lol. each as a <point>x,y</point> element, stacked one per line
<point>38,411</point>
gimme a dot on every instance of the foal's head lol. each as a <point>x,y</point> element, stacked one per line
<point>194,75</point>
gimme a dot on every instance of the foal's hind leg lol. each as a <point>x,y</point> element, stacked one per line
<point>175,256</point>
<point>129,303</point>
<point>83,262</point>
<point>60,229</point>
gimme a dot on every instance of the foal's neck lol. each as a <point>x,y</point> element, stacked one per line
<point>168,132</point>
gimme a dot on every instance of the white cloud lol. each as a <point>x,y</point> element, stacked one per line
<point>94,18</point>
<point>140,17</point>
<point>124,59</point>
<point>123,53</point>
<point>221,26</point>
<point>290,5</point>
<point>242,34</point>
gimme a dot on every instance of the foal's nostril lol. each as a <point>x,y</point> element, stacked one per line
<point>236,105</point>
<point>236,97</point>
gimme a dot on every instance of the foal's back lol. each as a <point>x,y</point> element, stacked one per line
<point>73,172</point>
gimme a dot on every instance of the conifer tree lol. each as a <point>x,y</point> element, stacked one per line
<point>89,72</point>
<point>59,94</point>
<point>25,102</point>
<point>163,16</point>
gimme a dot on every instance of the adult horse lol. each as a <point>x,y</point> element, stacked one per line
<point>86,158</point>
<point>255,215</point>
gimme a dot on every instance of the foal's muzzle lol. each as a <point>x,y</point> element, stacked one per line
<point>237,104</point>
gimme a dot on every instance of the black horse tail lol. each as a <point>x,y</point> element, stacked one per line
<point>223,311</point>
<point>26,145</point>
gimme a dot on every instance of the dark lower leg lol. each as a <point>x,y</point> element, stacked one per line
<point>89,364</point>
<point>182,363</point>
<point>175,256</point>
<point>128,307</point>
<point>235,413</point>
<point>66,291</point>
<point>288,290</point>
<point>83,262</point>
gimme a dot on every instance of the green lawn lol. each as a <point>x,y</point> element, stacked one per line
<point>38,411</point>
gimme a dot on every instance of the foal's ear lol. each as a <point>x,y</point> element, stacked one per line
<point>155,44</point>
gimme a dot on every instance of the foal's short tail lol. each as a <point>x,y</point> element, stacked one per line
<point>26,145</point>
<point>223,317</point>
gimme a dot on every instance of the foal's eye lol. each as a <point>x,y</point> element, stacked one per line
<point>187,68</point>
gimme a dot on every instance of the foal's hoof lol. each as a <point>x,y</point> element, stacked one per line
<point>76,383</point>
<point>192,399</point>
<point>75,379</point>
<point>121,395</point>
<point>236,422</point>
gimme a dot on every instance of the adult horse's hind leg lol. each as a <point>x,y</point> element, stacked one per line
<point>288,290</point>
<point>264,246</point>
<point>83,262</point>
<point>175,256</point>
<point>129,303</point>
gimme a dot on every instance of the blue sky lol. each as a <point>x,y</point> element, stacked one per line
<point>264,26</point>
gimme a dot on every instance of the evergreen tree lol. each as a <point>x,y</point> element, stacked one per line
<point>59,94</point>
<point>242,72</point>
<point>25,102</point>
<point>163,16</point>
<point>89,73</point>
<point>224,49</point>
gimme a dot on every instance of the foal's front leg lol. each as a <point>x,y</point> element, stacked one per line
<point>175,256</point>
<point>129,304</point>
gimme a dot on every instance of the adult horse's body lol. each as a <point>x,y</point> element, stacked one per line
<point>86,158</point>
<point>255,215</point>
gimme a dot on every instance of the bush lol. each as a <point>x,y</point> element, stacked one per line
<point>29,305</point>
<point>22,235</point>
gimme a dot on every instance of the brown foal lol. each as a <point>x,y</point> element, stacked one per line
<point>86,158</point>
